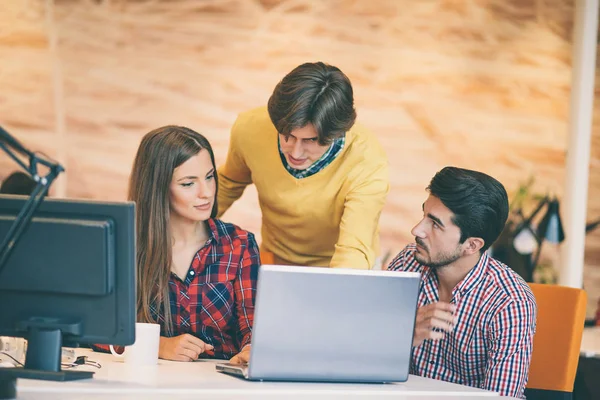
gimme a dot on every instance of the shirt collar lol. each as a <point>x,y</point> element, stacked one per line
<point>430,282</point>
<point>474,277</point>
<point>471,280</point>
<point>213,230</point>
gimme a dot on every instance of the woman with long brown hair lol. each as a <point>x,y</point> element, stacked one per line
<point>196,274</point>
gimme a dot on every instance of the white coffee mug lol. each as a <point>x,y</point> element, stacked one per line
<point>144,351</point>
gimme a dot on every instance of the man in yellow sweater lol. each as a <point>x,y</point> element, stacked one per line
<point>321,179</point>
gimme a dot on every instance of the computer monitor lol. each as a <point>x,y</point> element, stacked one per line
<point>69,280</point>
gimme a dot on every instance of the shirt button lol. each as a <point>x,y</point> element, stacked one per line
<point>432,362</point>
<point>191,272</point>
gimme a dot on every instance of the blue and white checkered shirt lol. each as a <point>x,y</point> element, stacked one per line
<point>490,347</point>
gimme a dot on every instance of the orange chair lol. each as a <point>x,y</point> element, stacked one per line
<point>557,341</point>
<point>266,257</point>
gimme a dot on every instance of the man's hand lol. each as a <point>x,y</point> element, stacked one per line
<point>184,347</point>
<point>243,357</point>
<point>435,315</point>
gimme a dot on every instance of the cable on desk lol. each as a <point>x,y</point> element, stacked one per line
<point>11,357</point>
<point>82,360</point>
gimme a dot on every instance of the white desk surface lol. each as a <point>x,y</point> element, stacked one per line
<point>119,381</point>
<point>590,342</point>
<point>248,396</point>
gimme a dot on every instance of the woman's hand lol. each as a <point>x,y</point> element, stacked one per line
<point>243,357</point>
<point>184,347</point>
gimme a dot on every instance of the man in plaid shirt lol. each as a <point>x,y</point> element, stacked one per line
<point>476,317</point>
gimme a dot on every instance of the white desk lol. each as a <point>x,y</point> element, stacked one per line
<point>244,396</point>
<point>200,380</point>
<point>590,342</point>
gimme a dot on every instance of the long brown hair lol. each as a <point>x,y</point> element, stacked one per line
<point>160,152</point>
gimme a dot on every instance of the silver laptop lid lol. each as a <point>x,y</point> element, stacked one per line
<point>323,324</point>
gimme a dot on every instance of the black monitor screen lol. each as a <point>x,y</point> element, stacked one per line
<point>73,270</point>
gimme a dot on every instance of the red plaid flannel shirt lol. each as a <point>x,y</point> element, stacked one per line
<point>215,301</point>
<point>490,347</point>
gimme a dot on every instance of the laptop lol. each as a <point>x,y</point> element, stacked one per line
<point>331,325</point>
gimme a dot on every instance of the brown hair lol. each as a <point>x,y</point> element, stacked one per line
<point>478,201</point>
<point>160,152</point>
<point>314,93</point>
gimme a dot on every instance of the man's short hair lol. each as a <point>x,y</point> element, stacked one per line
<point>478,201</point>
<point>314,93</point>
<point>18,183</point>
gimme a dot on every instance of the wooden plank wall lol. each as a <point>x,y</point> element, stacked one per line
<point>482,84</point>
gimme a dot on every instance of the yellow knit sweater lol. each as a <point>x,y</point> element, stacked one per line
<point>328,219</point>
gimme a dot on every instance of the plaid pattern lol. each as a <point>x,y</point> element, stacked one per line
<point>490,348</point>
<point>215,301</point>
<point>332,152</point>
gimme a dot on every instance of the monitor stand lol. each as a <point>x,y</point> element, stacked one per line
<point>43,358</point>
<point>8,385</point>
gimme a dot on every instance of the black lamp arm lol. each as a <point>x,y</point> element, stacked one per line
<point>527,221</point>
<point>11,146</point>
<point>591,226</point>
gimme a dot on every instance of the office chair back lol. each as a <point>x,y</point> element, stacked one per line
<point>267,258</point>
<point>557,341</point>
